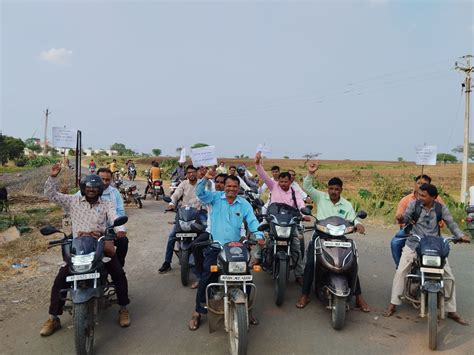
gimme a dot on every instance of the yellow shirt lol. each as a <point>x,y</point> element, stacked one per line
<point>155,173</point>
<point>113,167</point>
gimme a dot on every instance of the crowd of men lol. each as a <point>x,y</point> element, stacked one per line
<point>215,192</point>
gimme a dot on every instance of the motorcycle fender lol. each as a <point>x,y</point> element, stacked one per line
<point>432,287</point>
<point>282,255</point>
<point>236,295</point>
<point>185,245</point>
<point>337,284</point>
<point>82,295</point>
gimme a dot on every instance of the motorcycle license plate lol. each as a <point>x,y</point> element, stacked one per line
<point>236,277</point>
<point>281,242</point>
<point>430,270</point>
<point>71,278</point>
<point>337,244</point>
<point>186,235</point>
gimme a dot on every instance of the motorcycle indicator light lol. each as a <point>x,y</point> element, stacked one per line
<point>214,268</point>
<point>257,268</point>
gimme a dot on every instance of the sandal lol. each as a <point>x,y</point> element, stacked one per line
<point>457,318</point>
<point>195,285</point>
<point>195,322</point>
<point>302,302</point>
<point>253,320</point>
<point>389,311</point>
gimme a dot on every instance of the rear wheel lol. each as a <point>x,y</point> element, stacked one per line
<point>138,202</point>
<point>338,314</point>
<point>279,281</point>
<point>238,332</point>
<point>432,320</point>
<point>157,195</point>
<point>83,321</point>
<point>184,261</point>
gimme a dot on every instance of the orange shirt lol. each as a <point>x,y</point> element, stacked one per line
<point>404,202</point>
<point>155,173</point>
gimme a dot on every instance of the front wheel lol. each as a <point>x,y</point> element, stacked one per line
<point>338,312</point>
<point>184,261</point>
<point>238,332</point>
<point>432,320</point>
<point>83,321</point>
<point>279,281</point>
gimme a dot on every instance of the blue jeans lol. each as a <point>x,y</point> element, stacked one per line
<point>172,238</point>
<point>396,245</point>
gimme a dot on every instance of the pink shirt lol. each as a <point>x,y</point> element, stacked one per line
<point>277,193</point>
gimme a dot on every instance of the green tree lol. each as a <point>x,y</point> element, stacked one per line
<point>445,157</point>
<point>199,145</point>
<point>122,149</point>
<point>156,152</point>
<point>459,149</point>
<point>31,144</point>
<point>400,158</point>
<point>286,157</point>
<point>10,148</point>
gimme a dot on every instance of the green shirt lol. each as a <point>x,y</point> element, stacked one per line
<point>325,207</point>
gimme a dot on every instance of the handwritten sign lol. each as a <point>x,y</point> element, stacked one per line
<point>426,154</point>
<point>64,137</point>
<point>205,156</point>
<point>265,149</point>
<point>182,157</point>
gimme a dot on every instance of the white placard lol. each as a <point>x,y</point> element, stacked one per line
<point>182,157</point>
<point>426,154</point>
<point>205,156</point>
<point>265,149</point>
<point>64,138</point>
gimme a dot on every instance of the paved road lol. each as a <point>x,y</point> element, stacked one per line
<point>161,307</point>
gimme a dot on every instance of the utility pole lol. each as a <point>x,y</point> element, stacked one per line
<point>46,114</point>
<point>467,69</point>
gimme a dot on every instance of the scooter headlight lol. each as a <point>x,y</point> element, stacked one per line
<point>237,267</point>
<point>336,230</point>
<point>82,263</point>
<point>283,232</point>
<point>430,260</point>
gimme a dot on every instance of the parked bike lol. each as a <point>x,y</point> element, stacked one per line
<point>336,264</point>
<point>282,224</point>
<point>425,286</point>
<point>89,291</point>
<point>129,193</point>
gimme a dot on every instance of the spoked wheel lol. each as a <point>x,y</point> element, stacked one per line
<point>338,312</point>
<point>238,332</point>
<point>279,281</point>
<point>83,321</point>
<point>432,320</point>
<point>184,261</point>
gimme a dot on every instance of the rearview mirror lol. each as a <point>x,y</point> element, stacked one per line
<point>361,214</point>
<point>310,207</point>
<point>167,199</point>
<point>306,211</point>
<point>263,227</point>
<point>48,230</point>
<point>120,221</point>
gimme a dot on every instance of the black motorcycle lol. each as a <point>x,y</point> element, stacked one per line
<point>188,227</point>
<point>233,296</point>
<point>282,224</point>
<point>336,264</point>
<point>89,291</point>
<point>425,285</point>
<point>129,193</point>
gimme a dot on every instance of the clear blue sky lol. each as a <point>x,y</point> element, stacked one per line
<point>366,79</point>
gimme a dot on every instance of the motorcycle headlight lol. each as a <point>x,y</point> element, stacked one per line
<point>336,230</point>
<point>283,232</point>
<point>429,260</point>
<point>237,267</point>
<point>82,263</point>
<point>185,226</point>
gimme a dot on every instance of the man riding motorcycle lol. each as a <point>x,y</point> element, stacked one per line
<point>426,224</point>
<point>282,192</point>
<point>328,204</point>
<point>90,216</point>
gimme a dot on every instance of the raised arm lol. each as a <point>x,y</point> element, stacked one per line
<point>51,189</point>
<point>202,194</point>
<point>262,173</point>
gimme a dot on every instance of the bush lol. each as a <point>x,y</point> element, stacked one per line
<point>41,161</point>
<point>21,162</point>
